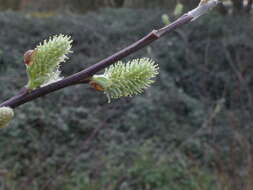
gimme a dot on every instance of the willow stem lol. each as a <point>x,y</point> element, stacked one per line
<point>84,75</point>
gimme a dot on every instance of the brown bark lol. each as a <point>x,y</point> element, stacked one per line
<point>10,4</point>
<point>249,6</point>
<point>119,3</point>
<point>237,5</point>
<point>222,9</point>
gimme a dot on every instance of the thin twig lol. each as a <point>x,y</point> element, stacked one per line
<point>90,71</point>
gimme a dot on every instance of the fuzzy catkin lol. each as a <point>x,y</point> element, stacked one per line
<point>44,63</point>
<point>127,79</point>
<point>6,115</point>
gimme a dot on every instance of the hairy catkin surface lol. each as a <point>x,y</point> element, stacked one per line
<point>6,115</point>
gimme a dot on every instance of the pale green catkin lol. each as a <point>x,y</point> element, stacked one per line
<point>6,115</point>
<point>127,79</point>
<point>45,61</point>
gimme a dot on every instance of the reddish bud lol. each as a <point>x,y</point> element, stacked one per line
<point>28,57</point>
<point>96,86</point>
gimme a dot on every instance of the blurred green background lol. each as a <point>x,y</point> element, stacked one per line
<point>192,130</point>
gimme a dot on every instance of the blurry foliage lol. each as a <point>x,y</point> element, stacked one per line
<point>149,170</point>
<point>205,66</point>
<point>81,6</point>
<point>10,4</point>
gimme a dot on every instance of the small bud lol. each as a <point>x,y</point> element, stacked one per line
<point>6,115</point>
<point>126,79</point>
<point>96,86</point>
<point>179,9</point>
<point>28,57</point>
<point>166,19</point>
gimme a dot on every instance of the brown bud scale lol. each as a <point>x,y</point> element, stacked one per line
<point>96,86</point>
<point>28,57</point>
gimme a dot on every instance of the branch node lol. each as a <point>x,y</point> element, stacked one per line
<point>202,9</point>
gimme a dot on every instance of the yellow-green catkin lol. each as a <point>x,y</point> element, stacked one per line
<point>165,19</point>
<point>6,115</point>
<point>128,79</point>
<point>42,63</point>
<point>179,9</point>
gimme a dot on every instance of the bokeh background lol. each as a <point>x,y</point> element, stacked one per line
<point>192,130</point>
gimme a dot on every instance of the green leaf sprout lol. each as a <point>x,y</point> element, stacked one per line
<point>165,19</point>
<point>178,9</point>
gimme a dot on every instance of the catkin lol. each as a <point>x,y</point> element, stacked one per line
<point>6,115</point>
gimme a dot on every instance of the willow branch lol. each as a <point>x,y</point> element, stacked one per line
<point>83,76</point>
